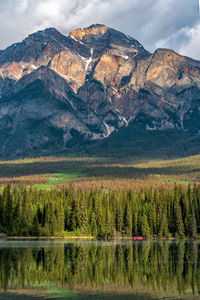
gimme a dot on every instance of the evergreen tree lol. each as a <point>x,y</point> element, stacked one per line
<point>194,225</point>
<point>82,215</point>
<point>9,209</point>
<point>17,217</point>
<point>145,227</point>
<point>179,223</point>
<point>128,219</point>
<point>119,216</point>
<point>35,227</point>
<point>93,230</point>
<point>2,213</point>
<point>60,216</point>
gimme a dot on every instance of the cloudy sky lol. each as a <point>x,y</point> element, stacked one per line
<point>171,24</point>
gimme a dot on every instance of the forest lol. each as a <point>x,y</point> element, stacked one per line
<point>104,214</point>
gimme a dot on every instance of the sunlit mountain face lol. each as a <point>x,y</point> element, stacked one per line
<point>58,92</point>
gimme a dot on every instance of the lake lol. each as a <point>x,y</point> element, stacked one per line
<point>99,270</point>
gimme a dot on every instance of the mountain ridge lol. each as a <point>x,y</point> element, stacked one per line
<point>107,80</point>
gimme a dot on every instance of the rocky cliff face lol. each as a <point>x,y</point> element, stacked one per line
<point>57,91</point>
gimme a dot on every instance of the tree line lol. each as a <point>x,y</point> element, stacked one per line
<point>103,214</point>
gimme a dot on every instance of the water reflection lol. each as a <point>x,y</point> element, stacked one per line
<point>157,268</point>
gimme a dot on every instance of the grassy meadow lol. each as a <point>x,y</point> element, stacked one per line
<point>93,172</point>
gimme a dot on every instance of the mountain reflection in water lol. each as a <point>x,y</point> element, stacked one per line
<point>99,270</point>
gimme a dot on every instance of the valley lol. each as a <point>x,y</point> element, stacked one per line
<point>94,172</point>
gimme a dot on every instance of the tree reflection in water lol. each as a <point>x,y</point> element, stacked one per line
<point>171,268</point>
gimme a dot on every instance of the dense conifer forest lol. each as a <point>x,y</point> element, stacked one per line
<point>148,212</point>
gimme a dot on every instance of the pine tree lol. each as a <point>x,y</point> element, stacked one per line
<point>35,227</point>
<point>60,216</point>
<point>82,215</point>
<point>163,230</point>
<point>119,216</point>
<point>128,219</point>
<point>145,227</point>
<point>2,213</point>
<point>74,214</point>
<point>67,214</point>
<point>17,217</point>
<point>93,230</point>
<point>194,225</point>
<point>135,218</point>
<point>187,215</point>
<point>156,216</point>
<point>9,209</point>
<point>50,221</point>
<point>180,231</point>
<point>108,233</point>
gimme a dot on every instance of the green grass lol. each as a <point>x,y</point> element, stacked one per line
<point>56,292</point>
<point>58,179</point>
<point>59,293</point>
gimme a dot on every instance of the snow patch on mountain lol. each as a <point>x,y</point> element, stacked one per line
<point>34,67</point>
<point>123,119</point>
<point>108,129</point>
<point>88,62</point>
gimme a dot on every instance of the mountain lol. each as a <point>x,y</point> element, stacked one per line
<point>96,89</point>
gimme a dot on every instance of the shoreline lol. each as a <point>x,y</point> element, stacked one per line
<point>47,237</point>
<point>87,238</point>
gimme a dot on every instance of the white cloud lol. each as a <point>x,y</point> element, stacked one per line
<point>152,22</point>
<point>22,6</point>
<point>193,47</point>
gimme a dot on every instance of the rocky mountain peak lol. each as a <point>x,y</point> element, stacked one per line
<point>88,84</point>
<point>95,30</point>
<point>31,48</point>
<point>102,37</point>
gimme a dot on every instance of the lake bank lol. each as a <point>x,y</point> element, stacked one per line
<point>89,238</point>
<point>48,237</point>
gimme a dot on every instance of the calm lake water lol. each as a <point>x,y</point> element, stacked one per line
<point>99,270</point>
